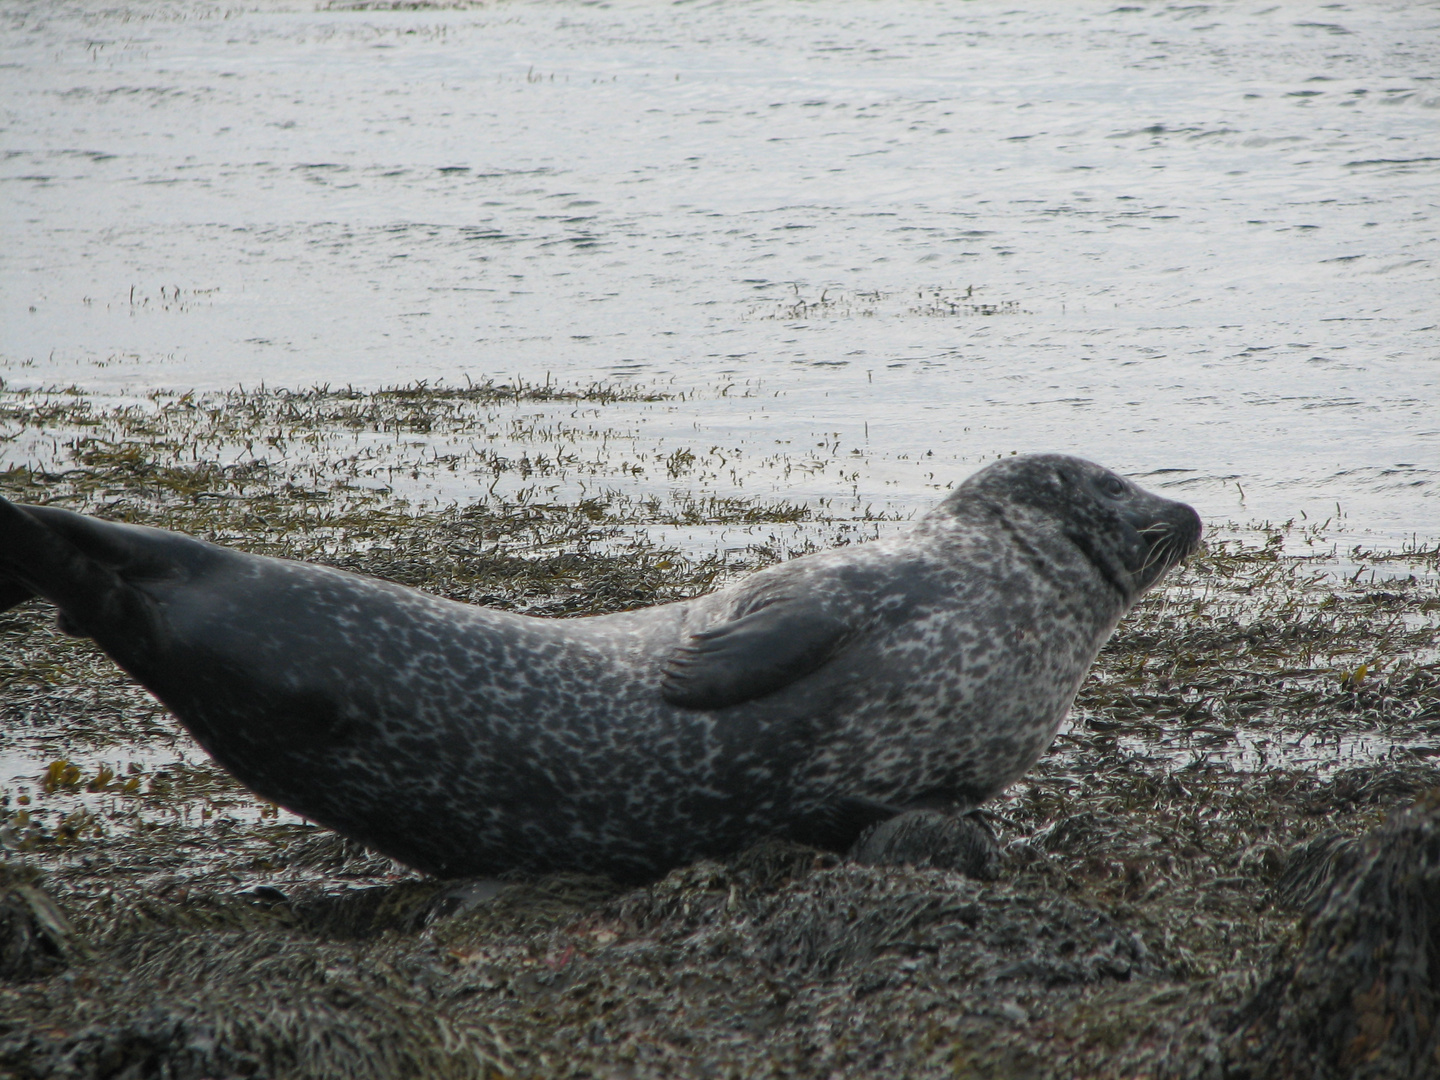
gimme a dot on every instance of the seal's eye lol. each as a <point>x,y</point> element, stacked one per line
<point>1112,485</point>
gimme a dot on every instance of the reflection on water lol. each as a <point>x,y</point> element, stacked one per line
<point>1194,242</point>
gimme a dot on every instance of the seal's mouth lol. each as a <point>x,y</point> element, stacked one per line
<point>1167,543</point>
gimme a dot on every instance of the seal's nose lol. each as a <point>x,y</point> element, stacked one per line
<point>1190,528</point>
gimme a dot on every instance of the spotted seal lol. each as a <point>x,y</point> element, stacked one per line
<point>813,699</point>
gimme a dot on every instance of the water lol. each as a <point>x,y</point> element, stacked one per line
<point>1194,242</point>
<point>24,766</point>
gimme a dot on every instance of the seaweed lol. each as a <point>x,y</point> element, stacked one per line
<point>1170,887</point>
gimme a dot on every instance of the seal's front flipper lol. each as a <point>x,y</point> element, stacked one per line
<point>930,838</point>
<point>840,823</point>
<point>753,655</point>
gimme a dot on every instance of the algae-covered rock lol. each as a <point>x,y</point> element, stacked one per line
<point>1360,999</point>
<point>186,1004</point>
<point>36,938</point>
<point>1262,707</point>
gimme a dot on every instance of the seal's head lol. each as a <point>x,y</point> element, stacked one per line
<point>1131,536</point>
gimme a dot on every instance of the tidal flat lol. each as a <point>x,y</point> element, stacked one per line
<point>1279,696</point>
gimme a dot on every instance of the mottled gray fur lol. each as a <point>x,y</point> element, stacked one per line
<point>810,700</point>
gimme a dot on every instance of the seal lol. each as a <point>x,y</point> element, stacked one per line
<point>811,700</point>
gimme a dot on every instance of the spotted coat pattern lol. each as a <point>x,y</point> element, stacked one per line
<point>811,699</point>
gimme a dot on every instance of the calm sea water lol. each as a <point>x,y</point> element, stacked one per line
<point>1196,242</point>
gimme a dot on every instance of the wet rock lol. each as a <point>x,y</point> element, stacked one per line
<point>461,898</point>
<point>1375,785</point>
<point>1360,997</point>
<point>772,864</point>
<point>181,1005</point>
<point>854,923</point>
<point>360,914</point>
<point>1079,834</point>
<point>706,892</point>
<point>36,939</point>
<point>161,1042</point>
<point>850,918</point>
<point>337,856</point>
<point>1311,870</point>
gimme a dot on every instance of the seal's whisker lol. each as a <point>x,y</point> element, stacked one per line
<point>1153,556</point>
<point>1165,553</point>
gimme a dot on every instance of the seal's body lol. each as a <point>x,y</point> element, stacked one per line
<point>811,700</point>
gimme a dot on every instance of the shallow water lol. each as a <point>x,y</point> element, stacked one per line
<point>1195,242</point>
<point>24,765</point>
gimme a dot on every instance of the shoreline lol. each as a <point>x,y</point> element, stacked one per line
<point>1242,723</point>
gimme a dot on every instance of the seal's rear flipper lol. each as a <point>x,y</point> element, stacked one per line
<point>72,561</point>
<point>12,593</point>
